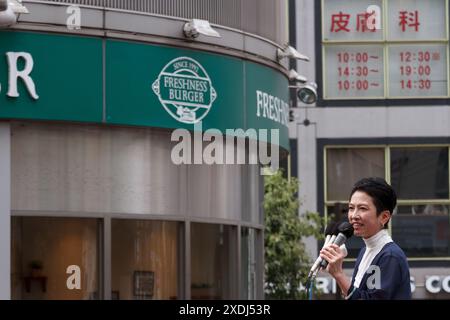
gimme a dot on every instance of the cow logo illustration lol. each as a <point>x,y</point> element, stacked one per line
<point>185,90</point>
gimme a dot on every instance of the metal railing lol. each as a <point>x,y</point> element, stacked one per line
<point>266,18</point>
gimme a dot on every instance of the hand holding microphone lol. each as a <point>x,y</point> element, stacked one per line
<point>345,230</point>
<point>330,234</point>
<point>335,256</point>
<point>333,253</point>
<point>339,233</point>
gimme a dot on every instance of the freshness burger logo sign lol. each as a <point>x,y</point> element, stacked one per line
<point>185,90</point>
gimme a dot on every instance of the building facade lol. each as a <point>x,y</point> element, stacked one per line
<point>92,203</point>
<point>383,110</point>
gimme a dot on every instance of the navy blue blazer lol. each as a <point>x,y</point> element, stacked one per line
<point>392,280</point>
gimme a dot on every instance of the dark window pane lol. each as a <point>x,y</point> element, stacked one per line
<point>346,166</point>
<point>288,160</point>
<point>422,231</point>
<point>284,163</point>
<point>420,173</point>
<point>213,261</point>
<point>294,157</point>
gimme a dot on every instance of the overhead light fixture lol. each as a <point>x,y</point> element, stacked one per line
<point>197,27</point>
<point>17,6</point>
<point>7,15</point>
<point>290,52</point>
<point>294,76</point>
<point>308,93</point>
<point>9,10</point>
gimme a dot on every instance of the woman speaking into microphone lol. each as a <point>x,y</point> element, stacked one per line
<point>381,270</point>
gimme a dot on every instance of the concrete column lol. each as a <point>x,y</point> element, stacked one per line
<point>307,175</point>
<point>5,212</point>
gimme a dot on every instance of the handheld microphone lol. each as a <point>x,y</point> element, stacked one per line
<point>345,231</point>
<point>330,234</point>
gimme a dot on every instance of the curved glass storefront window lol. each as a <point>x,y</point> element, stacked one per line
<point>213,261</point>
<point>137,248</point>
<point>46,253</point>
<point>144,259</point>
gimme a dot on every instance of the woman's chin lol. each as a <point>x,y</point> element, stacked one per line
<point>358,233</point>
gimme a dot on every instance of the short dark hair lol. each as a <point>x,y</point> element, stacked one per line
<point>382,194</point>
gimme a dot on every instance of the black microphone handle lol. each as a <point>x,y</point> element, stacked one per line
<point>339,241</point>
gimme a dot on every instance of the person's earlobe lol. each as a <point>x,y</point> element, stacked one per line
<point>386,217</point>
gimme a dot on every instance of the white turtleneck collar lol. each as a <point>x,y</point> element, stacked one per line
<point>374,244</point>
<point>378,239</point>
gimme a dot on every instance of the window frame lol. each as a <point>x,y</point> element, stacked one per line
<point>325,203</point>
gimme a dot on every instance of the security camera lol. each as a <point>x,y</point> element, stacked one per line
<point>290,52</point>
<point>196,27</point>
<point>294,76</point>
<point>308,93</point>
<point>9,10</point>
